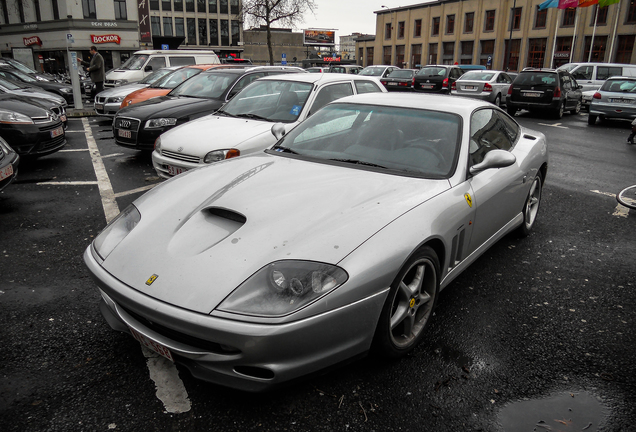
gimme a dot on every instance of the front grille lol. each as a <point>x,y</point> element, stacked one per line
<point>178,336</point>
<point>50,127</point>
<point>100,99</point>
<point>181,157</point>
<point>127,123</point>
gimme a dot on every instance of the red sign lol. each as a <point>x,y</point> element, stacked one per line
<point>33,40</point>
<point>98,39</point>
<point>332,58</point>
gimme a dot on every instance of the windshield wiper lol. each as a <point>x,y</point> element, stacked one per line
<point>284,149</point>
<point>359,162</point>
<point>224,113</point>
<point>252,116</point>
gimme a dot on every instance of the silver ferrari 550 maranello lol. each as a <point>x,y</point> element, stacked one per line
<point>334,242</point>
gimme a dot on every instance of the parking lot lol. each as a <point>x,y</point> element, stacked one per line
<point>538,319</point>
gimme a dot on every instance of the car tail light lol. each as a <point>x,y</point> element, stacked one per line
<point>597,95</point>
<point>557,92</point>
<point>487,87</point>
<point>413,83</point>
<point>445,83</point>
<point>383,82</point>
<point>510,90</point>
<point>454,86</point>
<point>232,153</point>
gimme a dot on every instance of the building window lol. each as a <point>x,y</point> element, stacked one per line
<point>469,21</point>
<point>154,4</point>
<point>387,31</point>
<point>450,24</point>
<point>177,5</point>
<point>562,50</point>
<point>487,50</point>
<point>432,53</point>
<point>540,18</point>
<point>234,7</point>
<point>360,56</point>
<point>435,27</point>
<point>89,8</point>
<point>601,19</point>
<point>223,6</point>
<point>191,31</point>
<point>416,55</point>
<point>400,34</point>
<point>448,54</point>
<point>467,48</point>
<point>212,8</point>
<point>56,10</point>
<point>631,13</point>
<point>536,52</point>
<point>225,33</point>
<point>598,50</point>
<point>189,5</point>
<point>236,32</point>
<point>386,55</point>
<point>167,26</point>
<point>166,5</point>
<point>179,26</point>
<point>515,18</point>
<point>214,32</point>
<point>201,6</point>
<point>155,25</point>
<point>418,28</point>
<point>569,15</point>
<point>513,59</point>
<point>21,11</point>
<point>489,24</point>
<point>38,15</point>
<point>369,56</point>
<point>399,55</point>
<point>120,10</point>
<point>203,31</point>
<point>624,48</point>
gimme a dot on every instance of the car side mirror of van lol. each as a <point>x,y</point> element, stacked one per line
<point>148,68</point>
<point>494,159</point>
<point>278,130</point>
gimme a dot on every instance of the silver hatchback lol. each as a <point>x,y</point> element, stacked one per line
<point>487,85</point>
<point>615,99</point>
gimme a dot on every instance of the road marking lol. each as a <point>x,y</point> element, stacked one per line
<point>170,389</point>
<point>68,183</point>
<point>620,211</point>
<point>74,131</point>
<point>556,125</point>
<point>73,150</point>
<point>112,155</point>
<point>134,191</point>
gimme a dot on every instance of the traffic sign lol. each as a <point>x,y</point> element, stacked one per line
<point>69,38</point>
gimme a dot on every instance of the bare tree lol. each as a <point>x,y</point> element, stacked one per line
<point>282,12</point>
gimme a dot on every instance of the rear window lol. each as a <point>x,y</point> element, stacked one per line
<point>401,73</point>
<point>477,76</point>
<point>537,78</point>
<point>366,87</point>
<point>619,85</point>
<point>432,71</point>
<point>372,71</point>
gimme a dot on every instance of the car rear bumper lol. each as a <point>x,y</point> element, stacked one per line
<point>530,106</point>
<point>485,96</point>
<point>612,111</point>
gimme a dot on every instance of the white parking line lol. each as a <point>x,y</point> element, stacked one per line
<point>134,191</point>
<point>170,389</point>
<point>556,125</point>
<point>620,211</point>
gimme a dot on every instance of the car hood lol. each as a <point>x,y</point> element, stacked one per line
<point>213,132</point>
<point>168,106</point>
<point>39,93</point>
<point>294,209</point>
<point>121,91</point>
<point>21,105</point>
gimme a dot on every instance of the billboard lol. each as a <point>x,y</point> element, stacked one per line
<point>319,37</point>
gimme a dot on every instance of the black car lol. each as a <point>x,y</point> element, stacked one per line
<point>139,125</point>
<point>9,161</point>
<point>9,62</point>
<point>436,78</point>
<point>63,90</point>
<point>30,129</point>
<point>549,90</point>
<point>399,80</point>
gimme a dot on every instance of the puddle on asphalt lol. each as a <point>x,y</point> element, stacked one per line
<point>454,356</point>
<point>576,411</point>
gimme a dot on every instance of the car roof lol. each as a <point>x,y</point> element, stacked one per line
<point>238,69</point>
<point>314,78</point>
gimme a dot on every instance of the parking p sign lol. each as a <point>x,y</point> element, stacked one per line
<point>284,59</point>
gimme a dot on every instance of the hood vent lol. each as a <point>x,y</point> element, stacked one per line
<point>227,214</point>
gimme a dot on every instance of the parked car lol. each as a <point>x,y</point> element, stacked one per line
<point>318,69</point>
<point>236,61</point>
<point>346,69</point>
<point>554,91</point>
<point>586,99</point>
<point>62,90</point>
<point>40,76</point>
<point>9,161</point>
<point>436,78</point>
<point>28,128</point>
<point>333,243</point>
<point>107,102</point>
<point>470,67</point>
<point>488,85</point>
<point>399,80</point>
<point>165,85</point>
<point>591,76</point>
<point>248,123</point>
<point>139,125</point>
<point>379,71</point>
<point>615,99</point>
<point>37,96</point>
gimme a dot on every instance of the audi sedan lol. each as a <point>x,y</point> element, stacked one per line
<point>334,242</point>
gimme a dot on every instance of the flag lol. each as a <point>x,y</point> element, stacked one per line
<point>588,3</point>
<point>549,4</point>
<point>565,4</point>
<point>603,3</point>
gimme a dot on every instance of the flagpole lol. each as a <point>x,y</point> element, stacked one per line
<point>576,22</point>
<point>589,57</point>
<point>556,28</point>
<point>618,12</point>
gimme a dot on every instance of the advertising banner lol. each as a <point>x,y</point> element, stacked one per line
<point>319,37</point>
<point>111,38</point>
<point>144,21</point>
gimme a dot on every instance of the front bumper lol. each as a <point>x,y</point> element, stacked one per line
<point>14,162</point>
<point>244,355</point>
<point>167,166</point>
<point>35,139</point>
<point>134,135</point>
<point>107,109</point>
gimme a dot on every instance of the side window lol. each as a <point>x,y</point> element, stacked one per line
<point>567,85</point>
<point>366,87</point>
<point>156,63</point>
<point>604,72</point>
<point>244,82</point>
<point>583,72</point>
<point>490,130</point>
<point>330,93</point>
<point>181,61</point>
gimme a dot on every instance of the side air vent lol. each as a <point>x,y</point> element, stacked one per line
<point>457,247</point>
<point>530,137</point>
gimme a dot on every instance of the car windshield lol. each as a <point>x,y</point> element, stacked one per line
<point>155,76</point>
<point>401,73</point>
<point>176,78</point>
<point>619,86</point>
<point>270,100</point>
<point>536,78</point>
<point>24,77</point>
<point>11,85</point>
<point>404,141</point>
<point>476,76</point>
<point>432,71</point>
<point>372,71</point>
<point>136,62</point>
<point>21,67</point>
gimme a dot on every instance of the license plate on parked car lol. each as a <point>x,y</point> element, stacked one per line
<point>393,83</point>
<point>124,133</point>
<point>6,172</point>
<point>150,344</point>
<point>619,100</point>
<point>173,171</point>
<point>428,86</point>
<point>63,118</point>
<point>57,132</point>
<point>532,94</point>
<point>469,88</point>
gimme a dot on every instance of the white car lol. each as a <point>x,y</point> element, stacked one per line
<point>252,119</point>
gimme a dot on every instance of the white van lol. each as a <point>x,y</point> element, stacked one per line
<point>143,63</point>
<point>592,75</point>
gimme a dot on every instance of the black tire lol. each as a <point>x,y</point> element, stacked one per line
<point>531,206</point>
<point>512,111</point>
<point>591,119</point>
<point>577,108</point>
<point>409,305</point>
<point>498,100</point>
<point>558,114</point>
<point>627,197</point>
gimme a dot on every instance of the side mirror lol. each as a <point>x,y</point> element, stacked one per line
<point>494,159</point>
<point>148,68</point>
<point>278,130</point>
